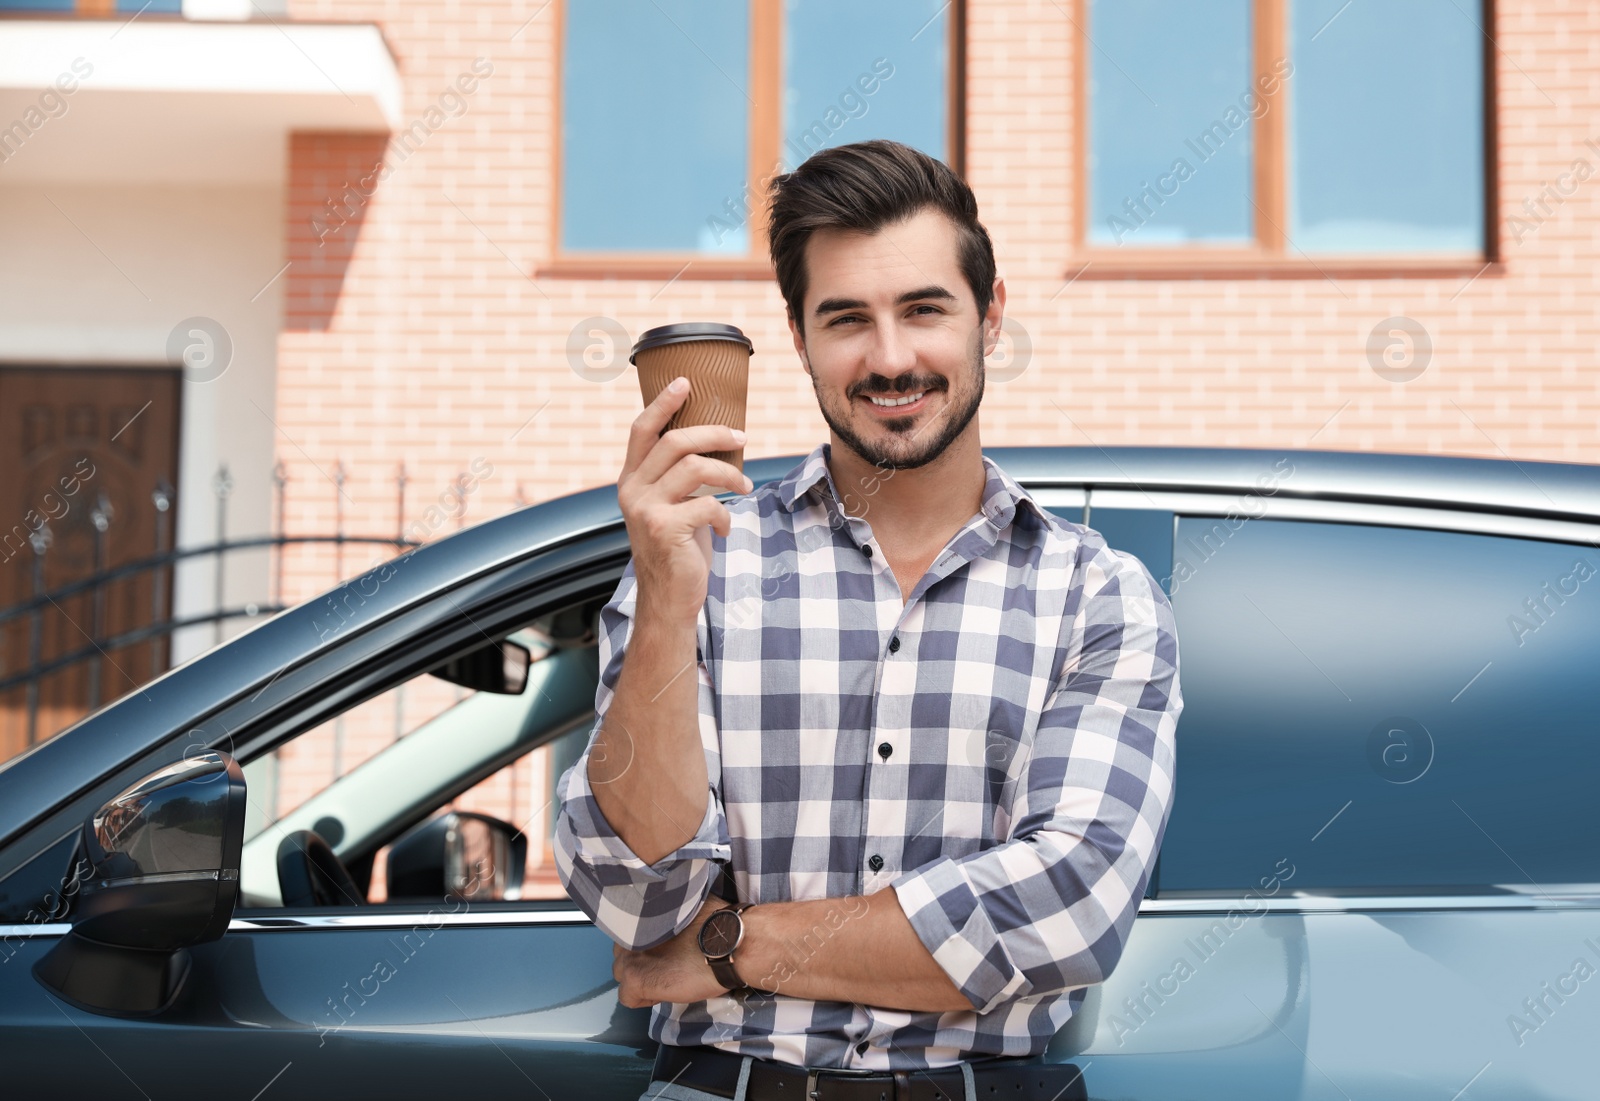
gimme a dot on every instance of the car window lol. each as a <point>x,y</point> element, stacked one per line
<point>524,794</point>
<point>1145,533</point>
<point>279,782</point>
<point>1383,708</point>
<point>360,770</point>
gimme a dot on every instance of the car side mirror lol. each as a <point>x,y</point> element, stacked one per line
<point>457,854</point>
<point>164,876</point>
<point>500,667</point>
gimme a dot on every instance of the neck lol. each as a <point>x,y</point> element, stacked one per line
<point>911,506</point>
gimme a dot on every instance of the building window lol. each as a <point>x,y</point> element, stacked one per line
<point>675,114</point>
<point>1283,130</point>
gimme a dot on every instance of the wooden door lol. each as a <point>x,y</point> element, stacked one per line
<point>82,450</point>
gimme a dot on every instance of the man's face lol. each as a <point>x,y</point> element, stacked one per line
<point>890,315</point>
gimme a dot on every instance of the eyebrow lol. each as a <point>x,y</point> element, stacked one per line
<point>835,305</point>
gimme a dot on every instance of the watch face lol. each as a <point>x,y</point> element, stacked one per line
<point>720,934</point>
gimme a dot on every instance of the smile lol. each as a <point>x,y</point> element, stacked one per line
<point>900,406</point>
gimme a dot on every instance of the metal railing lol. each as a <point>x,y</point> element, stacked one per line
<point>158,566</point>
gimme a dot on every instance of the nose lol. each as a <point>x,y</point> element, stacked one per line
<point>890,354</point>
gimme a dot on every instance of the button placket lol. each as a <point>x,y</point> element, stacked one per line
<point>895,683</point>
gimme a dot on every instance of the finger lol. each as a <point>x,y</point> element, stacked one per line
<point>696,515</point>
<point>694,439</point>
<point>648,424</point>
<point>692,471</point>
<point>708,511</point>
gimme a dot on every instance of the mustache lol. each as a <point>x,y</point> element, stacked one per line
<point>900,387</point>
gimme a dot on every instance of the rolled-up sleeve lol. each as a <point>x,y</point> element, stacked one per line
<point>637,905</point>
<point>1050,909</point>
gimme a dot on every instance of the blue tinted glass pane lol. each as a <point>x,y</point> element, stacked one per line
<point>1383,708</point>
<point>1386,128</point>
<point>655,127</point>
<point>1171,101</point>
<point>37,5</point>
<point>1142,532</point>
<point>147,7</point>
<point>856,71</point>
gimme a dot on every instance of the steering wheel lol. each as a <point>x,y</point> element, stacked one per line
<point>309,874</point>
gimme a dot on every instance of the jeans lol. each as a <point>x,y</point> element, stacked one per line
<point>672,1091</point>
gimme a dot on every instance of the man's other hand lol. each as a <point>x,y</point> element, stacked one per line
<point>673,971</point>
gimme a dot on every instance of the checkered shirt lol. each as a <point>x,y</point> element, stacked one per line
<point>998,749</point>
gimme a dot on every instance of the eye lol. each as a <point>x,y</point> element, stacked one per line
<point>925,306</point>
<point>846,317</point>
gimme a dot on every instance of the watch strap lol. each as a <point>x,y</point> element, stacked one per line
<point>722,968</point>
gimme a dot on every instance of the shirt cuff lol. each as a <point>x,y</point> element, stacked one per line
<point>590,839</point>
<point>943,908</point>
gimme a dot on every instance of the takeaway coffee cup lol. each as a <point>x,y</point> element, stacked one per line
<point>715,358</point>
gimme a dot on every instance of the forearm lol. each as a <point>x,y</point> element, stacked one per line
<point>647,768</point>
<point>859,949</point>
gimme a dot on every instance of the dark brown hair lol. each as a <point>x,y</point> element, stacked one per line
<point>865,186</point>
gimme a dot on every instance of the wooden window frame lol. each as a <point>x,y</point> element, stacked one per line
<point>1273,255</point>
<point>766,86</point>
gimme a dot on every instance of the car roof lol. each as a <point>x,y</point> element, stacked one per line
<point>1528,488</point>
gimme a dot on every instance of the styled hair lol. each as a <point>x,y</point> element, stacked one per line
<point>865,186</point>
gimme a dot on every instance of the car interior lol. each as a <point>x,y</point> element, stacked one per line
<point>441,785</point>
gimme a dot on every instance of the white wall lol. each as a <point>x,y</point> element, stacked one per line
<point>100,275</point>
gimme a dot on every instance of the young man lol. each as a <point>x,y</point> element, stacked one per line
<point>929,751</point>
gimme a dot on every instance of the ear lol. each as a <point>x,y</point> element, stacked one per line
<point>995,315</point>
<point>799,344</point>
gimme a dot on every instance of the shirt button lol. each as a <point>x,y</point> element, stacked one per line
<point>861,1048</point>
<point>884,749</point>
<point>867,550</point>
<point>894,645</point>
<point>876,863</point>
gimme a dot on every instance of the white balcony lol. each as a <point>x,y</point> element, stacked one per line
<point>177,101</point>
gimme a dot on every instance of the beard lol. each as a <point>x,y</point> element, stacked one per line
<point>902,443</point>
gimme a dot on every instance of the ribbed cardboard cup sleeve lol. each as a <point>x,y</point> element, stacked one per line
<point>718,371</point>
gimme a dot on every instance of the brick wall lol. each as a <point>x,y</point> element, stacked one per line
<point>440,347</point>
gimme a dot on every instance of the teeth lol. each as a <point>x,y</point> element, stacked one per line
<point>903,401</point>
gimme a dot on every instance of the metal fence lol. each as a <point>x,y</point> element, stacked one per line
<point>159,566</point>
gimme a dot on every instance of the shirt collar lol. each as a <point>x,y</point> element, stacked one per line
<point>1001,493</point>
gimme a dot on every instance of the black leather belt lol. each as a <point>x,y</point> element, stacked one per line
<point>717,1072</point>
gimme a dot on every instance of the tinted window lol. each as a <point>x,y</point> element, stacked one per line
<point>1383,708</point>
<point>1145,533</point>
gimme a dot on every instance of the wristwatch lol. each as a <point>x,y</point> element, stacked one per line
<point>719,936</point>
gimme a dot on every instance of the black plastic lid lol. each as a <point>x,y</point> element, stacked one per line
<point>689,330</point>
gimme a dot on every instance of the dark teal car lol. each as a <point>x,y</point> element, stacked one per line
<point>1381,878</point>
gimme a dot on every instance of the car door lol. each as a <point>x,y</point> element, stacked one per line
<point>399,999</point>
<point>1379,879</point>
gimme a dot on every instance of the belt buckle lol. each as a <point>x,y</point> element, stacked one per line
<point>844,1072</point>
